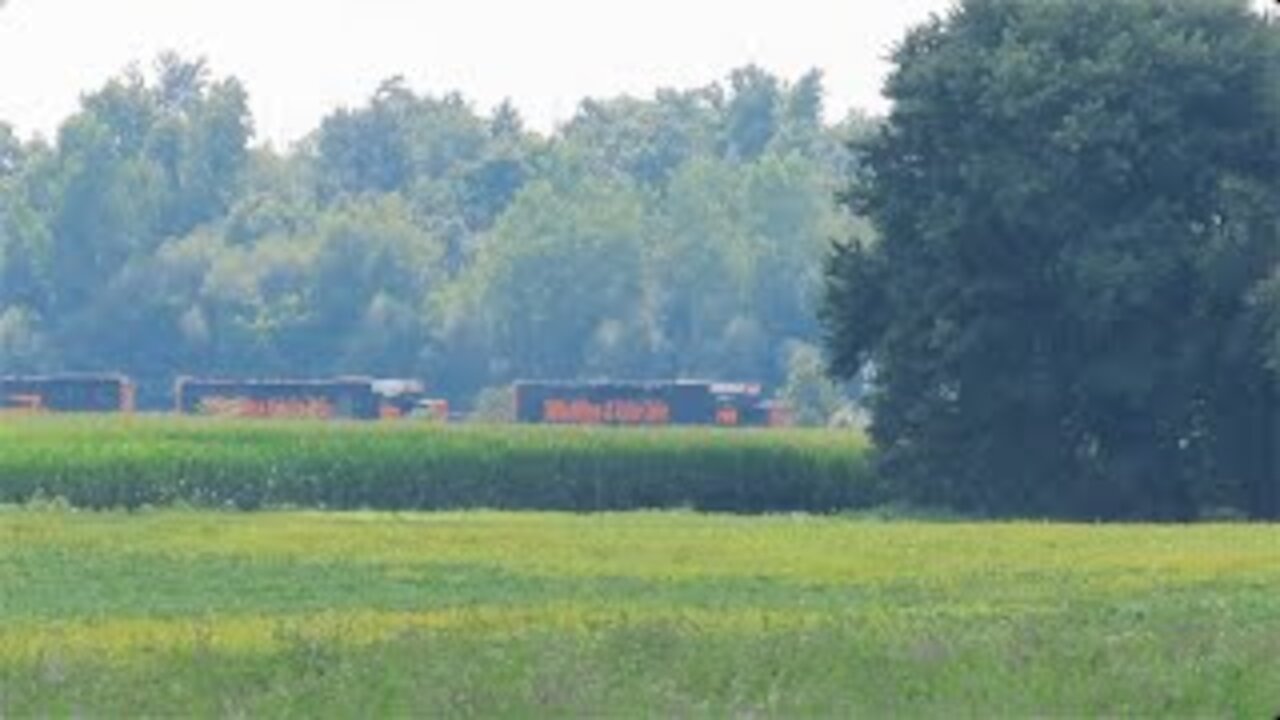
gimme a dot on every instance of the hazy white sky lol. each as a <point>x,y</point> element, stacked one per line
<point>302,58</point>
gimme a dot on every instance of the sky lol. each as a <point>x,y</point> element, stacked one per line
<point>301,59</point>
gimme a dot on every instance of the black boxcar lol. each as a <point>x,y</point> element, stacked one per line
<point>680,402</point>
<point>614,403</point>
<point>345,398</point>
<point>67,394</point>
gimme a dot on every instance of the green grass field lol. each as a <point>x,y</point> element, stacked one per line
<point>303,614</point>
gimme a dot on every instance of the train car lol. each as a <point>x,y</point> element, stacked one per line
<point>678,402</point>
<point>398,398</point>
<point>614,403</point>
<point>434,410</point>
<point>738,404</point>
<point>67,394</point>
<point>343,398</point>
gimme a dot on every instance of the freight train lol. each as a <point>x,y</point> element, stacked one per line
<point>675,402</point>
<point>679,402</point>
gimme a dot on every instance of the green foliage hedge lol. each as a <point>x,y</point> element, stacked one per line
<point>132,462</point>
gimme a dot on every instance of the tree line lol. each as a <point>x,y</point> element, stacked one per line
<point>413,235</point>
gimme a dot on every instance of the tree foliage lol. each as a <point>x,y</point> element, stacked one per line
<point>414,235</point>
<point>1073,295</point>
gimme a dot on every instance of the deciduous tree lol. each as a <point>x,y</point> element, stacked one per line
<point>1071,201</point>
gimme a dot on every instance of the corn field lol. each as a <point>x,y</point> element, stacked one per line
<point>130,462</point>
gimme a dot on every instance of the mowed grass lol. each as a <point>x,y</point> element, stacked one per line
<point>652,614</point>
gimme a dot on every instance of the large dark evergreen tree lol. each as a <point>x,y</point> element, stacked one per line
<point>1065,309</point>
